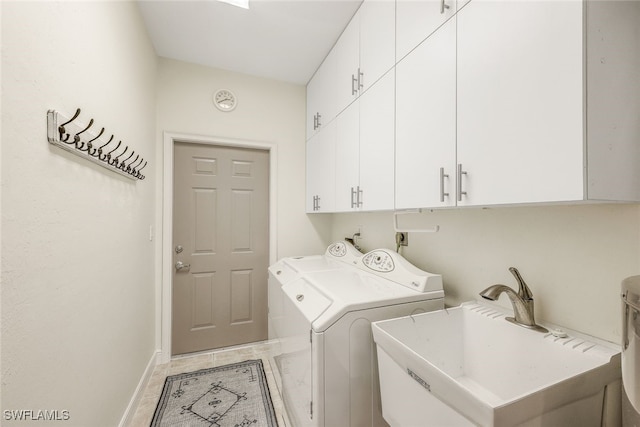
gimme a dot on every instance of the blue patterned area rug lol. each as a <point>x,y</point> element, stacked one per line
<point>235,395</point>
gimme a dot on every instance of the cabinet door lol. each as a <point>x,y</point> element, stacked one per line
<point>520,101</point>
<point>346,53</point>
<point>417,19</point>
<point>314,101</point>
<point>321,97</point>
<point>321,170</point>
<point>377,120</point>
<point>426,123</point>
<point>377,40</point>
<point>347,170</point>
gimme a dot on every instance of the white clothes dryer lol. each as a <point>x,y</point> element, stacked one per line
<point>321,311</point>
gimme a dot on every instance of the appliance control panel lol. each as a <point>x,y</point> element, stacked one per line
<point>344,252</point>
<point>387,264</point>
<point>338,249</point>
<point>379,261</point>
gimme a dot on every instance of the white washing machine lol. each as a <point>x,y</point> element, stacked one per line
<point>320,311</point>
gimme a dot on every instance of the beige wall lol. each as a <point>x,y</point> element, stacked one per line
<point>572,257</point>
<point>267,111</point>
<point>77,263</point>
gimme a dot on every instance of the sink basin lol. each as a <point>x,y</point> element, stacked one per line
<point>494,373</point>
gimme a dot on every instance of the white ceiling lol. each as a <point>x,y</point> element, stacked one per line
<point>278,39</point>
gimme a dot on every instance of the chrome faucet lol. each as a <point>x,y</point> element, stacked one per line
<point>522,302</point>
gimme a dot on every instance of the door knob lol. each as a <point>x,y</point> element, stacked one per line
<point>182,266</point>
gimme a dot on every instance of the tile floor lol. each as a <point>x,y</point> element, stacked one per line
<point>147,406</point>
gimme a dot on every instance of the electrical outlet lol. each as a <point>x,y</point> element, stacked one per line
<point>402,238</point>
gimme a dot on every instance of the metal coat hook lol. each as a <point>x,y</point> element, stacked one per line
<point>76,137</point>
<point>109,153</point>
<point>117,163</point>
<point>60,128</point>
<point>114,163</point>
<point>138,174</point>
<point>64,136</point>
<point>132,169</point>
<point>90,144</point>
<point>127,169</point>
<point>100,156</point>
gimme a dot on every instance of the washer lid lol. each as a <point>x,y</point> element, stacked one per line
<point>288,269</point>
<point>352,289</point>
<point>306,298</point>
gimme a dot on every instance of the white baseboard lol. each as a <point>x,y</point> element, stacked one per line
<point>130,412</point>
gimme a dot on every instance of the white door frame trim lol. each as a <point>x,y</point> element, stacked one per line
<point>170,138</point>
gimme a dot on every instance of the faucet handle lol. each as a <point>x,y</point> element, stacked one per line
<point>523,290</point>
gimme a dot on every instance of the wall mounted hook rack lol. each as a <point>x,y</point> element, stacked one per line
<point>70,135</point>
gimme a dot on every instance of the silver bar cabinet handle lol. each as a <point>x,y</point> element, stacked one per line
<point>359,204</point>
<point>317,203</point>
<point>460,173</point>
<point>360,79</point>
<point>354,82</point>
<point>318,120</point>
<point>353,193</point>
<point>443,6</point>
<point>442,177</point>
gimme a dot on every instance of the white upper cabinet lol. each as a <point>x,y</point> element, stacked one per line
<point>417,19</point>
<point>426,123</point>
<point>347,57</point>
<point>377,118</point>
<point>490,103</point>
<point>377,40</point>
<point>520,102</point>
<point>364,151</point>
<point>347,158</point>
<point>321,159</point>
<point>613,100</point>
<point>527,133</point>
<point>365,50</point>
<point>321,92</point>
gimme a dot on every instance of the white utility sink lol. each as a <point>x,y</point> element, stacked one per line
<point>470,361</point>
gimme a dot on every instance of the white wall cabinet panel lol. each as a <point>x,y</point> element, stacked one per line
<point>377,118</point>
<point>347,172</point>
<point>417,19</point>
<point>321,170</point>
<point>426,123</point>
<point>365,150</point>
<point>321,92</point>
<point>613,100</point>
<point>520,102</point>
<point>377,40</point>
<point>347,57</point>
<point>364,51</point>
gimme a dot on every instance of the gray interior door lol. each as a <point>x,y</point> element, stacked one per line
<point>220,246</point>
